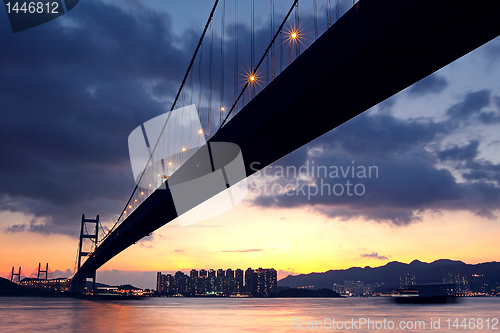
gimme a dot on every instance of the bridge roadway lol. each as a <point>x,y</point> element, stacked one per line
<point>375,50</point>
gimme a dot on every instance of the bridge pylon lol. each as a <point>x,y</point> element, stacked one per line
<point>78,283</point>
<point>15,274</point>
<point>46,271</point>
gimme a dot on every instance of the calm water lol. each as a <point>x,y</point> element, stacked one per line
<point>233,315</point>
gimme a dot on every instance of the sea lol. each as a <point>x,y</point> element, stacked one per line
<point>179,314</point>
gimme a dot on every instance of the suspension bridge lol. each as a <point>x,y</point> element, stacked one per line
<point>276,80</point>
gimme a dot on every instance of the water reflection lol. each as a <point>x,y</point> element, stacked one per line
<point>228,314</point>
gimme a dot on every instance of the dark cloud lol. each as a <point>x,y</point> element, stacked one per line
<point>408,181</point>
<point>72,90</point>
<point>432,84</point>
<point>373,255</point>
<point>472,103</point>
<point>467,152</point>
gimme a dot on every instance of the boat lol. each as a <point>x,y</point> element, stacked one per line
<point>430,293</point>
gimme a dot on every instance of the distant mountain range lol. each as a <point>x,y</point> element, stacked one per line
<point>484,273</point>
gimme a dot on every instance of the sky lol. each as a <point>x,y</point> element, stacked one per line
<point>73,89</point>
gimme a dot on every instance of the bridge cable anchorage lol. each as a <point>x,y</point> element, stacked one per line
<point>171,109</point>
<point>260,62</point>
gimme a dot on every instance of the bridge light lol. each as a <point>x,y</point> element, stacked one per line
<point>222,109</point>
<point>142,193</point>
<point>252,78</point>
<point>150,185</point>
<point>183,149</point>
<point>135,200</point>
<point>293,35</point>
<point>200,131</point>
<point>170,163</point>
<point>129,206</point>
<point>124,212</point>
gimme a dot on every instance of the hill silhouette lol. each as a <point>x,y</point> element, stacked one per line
<point>8,288</point>
<point>433,272</point>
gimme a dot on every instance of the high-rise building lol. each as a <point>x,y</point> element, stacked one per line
<point>226,282</point>
<point>407,280</point>
<point>354,288</point>
<point>266,281</point>
<point>161,281</point>
<point>250,281</point>
<point>238,277</point>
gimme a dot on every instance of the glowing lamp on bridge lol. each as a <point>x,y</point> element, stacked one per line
<point>252,78</point>
<point>222,109</point>
<point>170,163</point>
<point>129,206</point>
<point>183,149</point>
<point>294,35</point>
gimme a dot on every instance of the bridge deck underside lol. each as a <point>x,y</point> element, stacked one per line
<point>374,51</point>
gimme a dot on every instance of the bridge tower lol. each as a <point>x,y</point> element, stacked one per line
<point>79,281</point>
<point>46,271</point>
<point>15,274</point>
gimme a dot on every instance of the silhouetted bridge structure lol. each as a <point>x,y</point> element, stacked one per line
<point>376,49</point>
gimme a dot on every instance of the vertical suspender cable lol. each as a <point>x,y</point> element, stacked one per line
<point>236,53</point>
<point>210,76</point>
<point>273,47</point>
<point>252,47</point>
<point>328,14</point>
<point>297,24</point>
<point>222,33</point>
<point>315,7</point>
<point>337,9</point>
